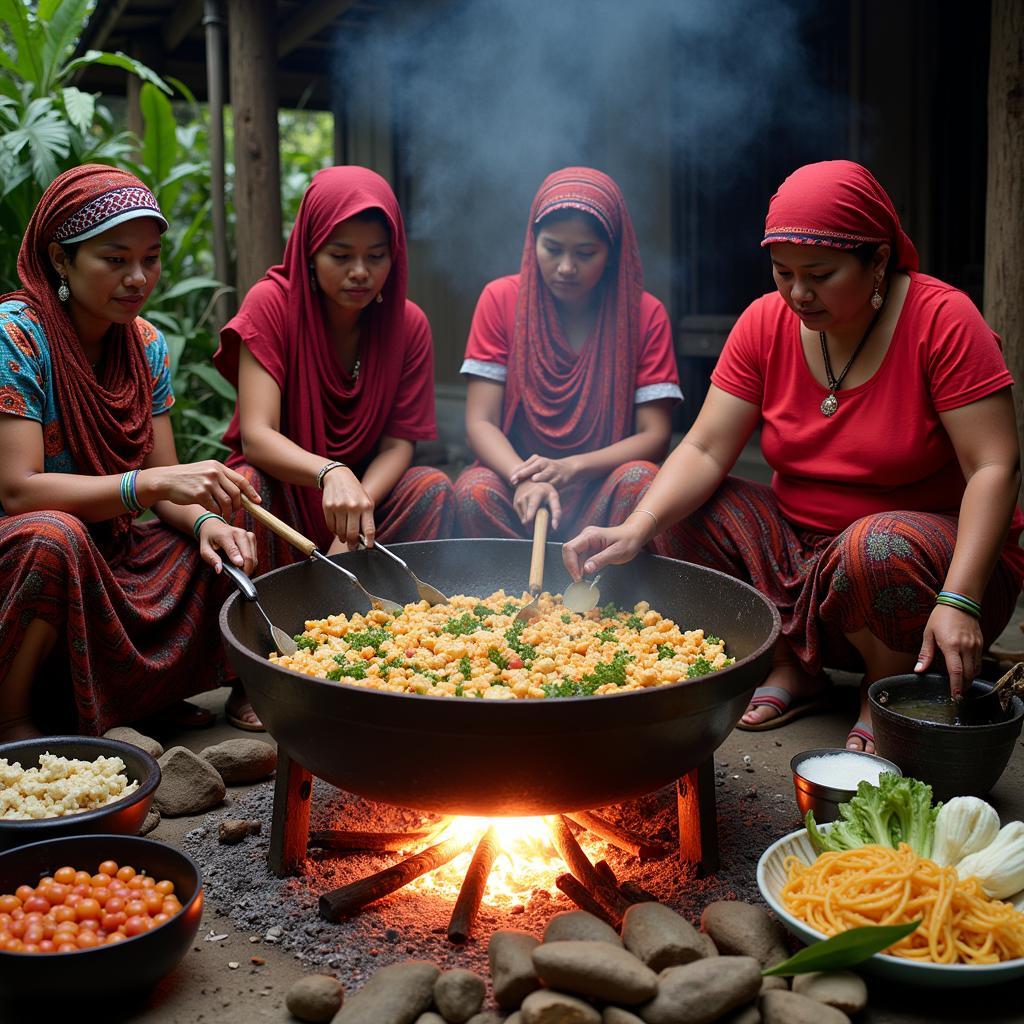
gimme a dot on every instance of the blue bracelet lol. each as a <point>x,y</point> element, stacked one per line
<point>198,524</point>
<point>128,496</point>
<point>960,602</point>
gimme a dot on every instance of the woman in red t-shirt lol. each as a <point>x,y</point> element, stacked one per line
<point>889,534</point>
<point>572,371</point>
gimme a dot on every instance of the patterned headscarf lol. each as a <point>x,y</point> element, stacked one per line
<point>108,422</point>
<point>839,204</point>
<point>577,401</point>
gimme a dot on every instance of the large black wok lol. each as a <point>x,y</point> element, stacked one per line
<point>499,757</point>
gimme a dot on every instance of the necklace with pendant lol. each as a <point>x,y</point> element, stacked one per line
<point>829,404</point>
<point>355,371</point>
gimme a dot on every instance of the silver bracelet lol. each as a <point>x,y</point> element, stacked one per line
<point>648,513</point>
<point>324,470</point>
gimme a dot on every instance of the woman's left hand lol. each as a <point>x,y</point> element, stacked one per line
<point>958,636</point>
<point>557,472</point>
<point>238,545</point>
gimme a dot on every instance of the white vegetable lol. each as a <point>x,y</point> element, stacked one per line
<point>964,825</point>
<point>1000,866</point>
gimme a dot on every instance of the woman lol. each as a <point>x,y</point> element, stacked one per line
<point>129,610</point>
<point>889,535</point>
<point>571,371</point>
<point>335,374</point>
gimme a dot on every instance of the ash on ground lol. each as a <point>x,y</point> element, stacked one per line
<point>410,924</point>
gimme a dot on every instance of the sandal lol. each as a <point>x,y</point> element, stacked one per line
<point>788,708</point>
<point>861,731</point>
<point>235,706</point>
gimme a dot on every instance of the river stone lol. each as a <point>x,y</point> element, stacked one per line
<point>316,998</point>
<point>458,994</point>
<point>616,1015</point>
<point>741,929</point>
<point>489,1017</point>
<point>512,972</point>
<point>578,924</point>
<point>241,761</point>
<point>128,735</point>
<point>595,969</point>
<point>430,1018</point>
<point>744,1015</point>
<point>844,990</point>
<point>703,991</point>
<point>515,1018</point>
<point>773,983</point>
<point>660,937</point>
<point>708,947</point>
<point>396,994</point>
<point>188,784</point>
<point>547,1007</point>
<point>793,1008</point>
<point>149,823</point>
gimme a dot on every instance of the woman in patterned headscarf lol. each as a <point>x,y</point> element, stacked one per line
<point>127,611</point>
<point>571,371</point>
<point>890,534</point>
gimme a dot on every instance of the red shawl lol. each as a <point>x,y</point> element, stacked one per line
<point>839,204</point>
<point>108,422</point>
<point>577,401</point>
<point>322,409</point>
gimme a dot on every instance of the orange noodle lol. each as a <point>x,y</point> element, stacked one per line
<point>878,885</point>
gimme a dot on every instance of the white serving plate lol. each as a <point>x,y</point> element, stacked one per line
<point>771,877</point>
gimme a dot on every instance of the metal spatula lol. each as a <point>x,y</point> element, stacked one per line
<point>427,593</point>
<point>310,550</point>
<point>282,641</point>
<point>540,539</point>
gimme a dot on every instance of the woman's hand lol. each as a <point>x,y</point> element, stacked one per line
<point>238,545</point>
<point>348,509</point>
<point>958,636</point>
<point>557,472</point>
<point>210,484</point>
<point>597,546</point>
<point>529,496</point>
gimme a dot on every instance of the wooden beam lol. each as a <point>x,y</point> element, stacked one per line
<point>214,25</point>
<point>178,24</point>
<point>94,39</point>
<point>307,21</point>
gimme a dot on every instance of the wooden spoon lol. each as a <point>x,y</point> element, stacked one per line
<point>540,539</point>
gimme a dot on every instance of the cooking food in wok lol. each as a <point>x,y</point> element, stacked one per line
<point>477,648</point>
<point>500,756</point>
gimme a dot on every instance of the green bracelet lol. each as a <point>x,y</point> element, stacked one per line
<point>960,602</point>
<point>197,525</point>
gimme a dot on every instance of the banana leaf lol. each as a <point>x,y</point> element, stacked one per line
<point>843,950</point>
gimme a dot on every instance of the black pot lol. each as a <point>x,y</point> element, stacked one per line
<point>127,967</point>
<point>124,816</point>
<point>955,760</point>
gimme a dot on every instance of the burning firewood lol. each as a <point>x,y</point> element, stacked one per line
<point>472,892</point>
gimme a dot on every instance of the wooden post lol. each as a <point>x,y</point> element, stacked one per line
<point>1004,197</point>
<point>213,23</point>
<point>253,49</point>
<point>698,821</point>
<point>289,826</point>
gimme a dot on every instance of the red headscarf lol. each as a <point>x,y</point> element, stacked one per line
<point>107,422</point>
<point>839,204</point>
<point>577,401</point>
<point>324,410</point>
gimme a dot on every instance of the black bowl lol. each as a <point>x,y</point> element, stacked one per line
<point>955,760</point>
<point>124,816</point>
<point>130,966</point>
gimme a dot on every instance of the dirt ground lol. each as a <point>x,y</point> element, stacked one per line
<point>233,974</point>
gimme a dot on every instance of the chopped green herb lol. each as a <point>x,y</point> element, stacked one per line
<point>509,608</point>
<point>634,622</point>
<point>459,690</point>
<point>306,643</point>
<point>607,635</point>
<point>465,668</point>
<point>481,611</point>
<point>700,667</point>
<point>494,655</point>
<point>512,635</point>
<point>432,676</point>
<point>566,618</point>
<point>498,682</point>
<point>397,613</point>
<point>462,625</point>
<point>420,690</point>
<point>665,652</point>
<point>373,637</point>
<point>567,688</point>
<point>712,640</point>
<point>610,672</point>
<point>355,670</point>
<point>610,610</point>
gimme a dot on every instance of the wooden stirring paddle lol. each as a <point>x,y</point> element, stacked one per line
<point>540,539</point>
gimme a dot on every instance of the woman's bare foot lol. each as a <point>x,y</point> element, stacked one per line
<point>18,729</point>
<point>788,676</point>
<point>240,712</point>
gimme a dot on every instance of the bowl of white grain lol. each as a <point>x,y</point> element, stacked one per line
<point>826,777</point>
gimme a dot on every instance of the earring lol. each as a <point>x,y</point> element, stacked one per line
<point>312,277</point>
<point>876,298</point>
<point>380,296</point>
<point>63,291</point>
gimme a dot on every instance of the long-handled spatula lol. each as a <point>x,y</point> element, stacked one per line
<point>540,539</point>
<point>282,641</point>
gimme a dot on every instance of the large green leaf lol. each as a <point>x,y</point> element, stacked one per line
<point>47,137</point>
<point>189,284</point>
<point>63,20</point>
<point>843,950</point>
<point>210,376</point>
<point>115,60</point>
<point>159,143</point>
<point>80,107</point>
<point>15,22</point>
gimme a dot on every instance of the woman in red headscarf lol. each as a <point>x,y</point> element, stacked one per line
<point>335,373</point>
<point>127,612</point>
<point>890,534</point>
<point>572,371</point>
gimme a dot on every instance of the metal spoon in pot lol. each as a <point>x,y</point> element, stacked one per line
<point>582,595</point>
<point>540,538</point>
<point>282,641</point>
<point>310,550</point>
<point>427,593</point>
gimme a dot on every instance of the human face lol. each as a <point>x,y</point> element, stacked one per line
<point>353,264</point>
<point>825,287</point>
<point>572,258</point>
<point>111,275</point>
